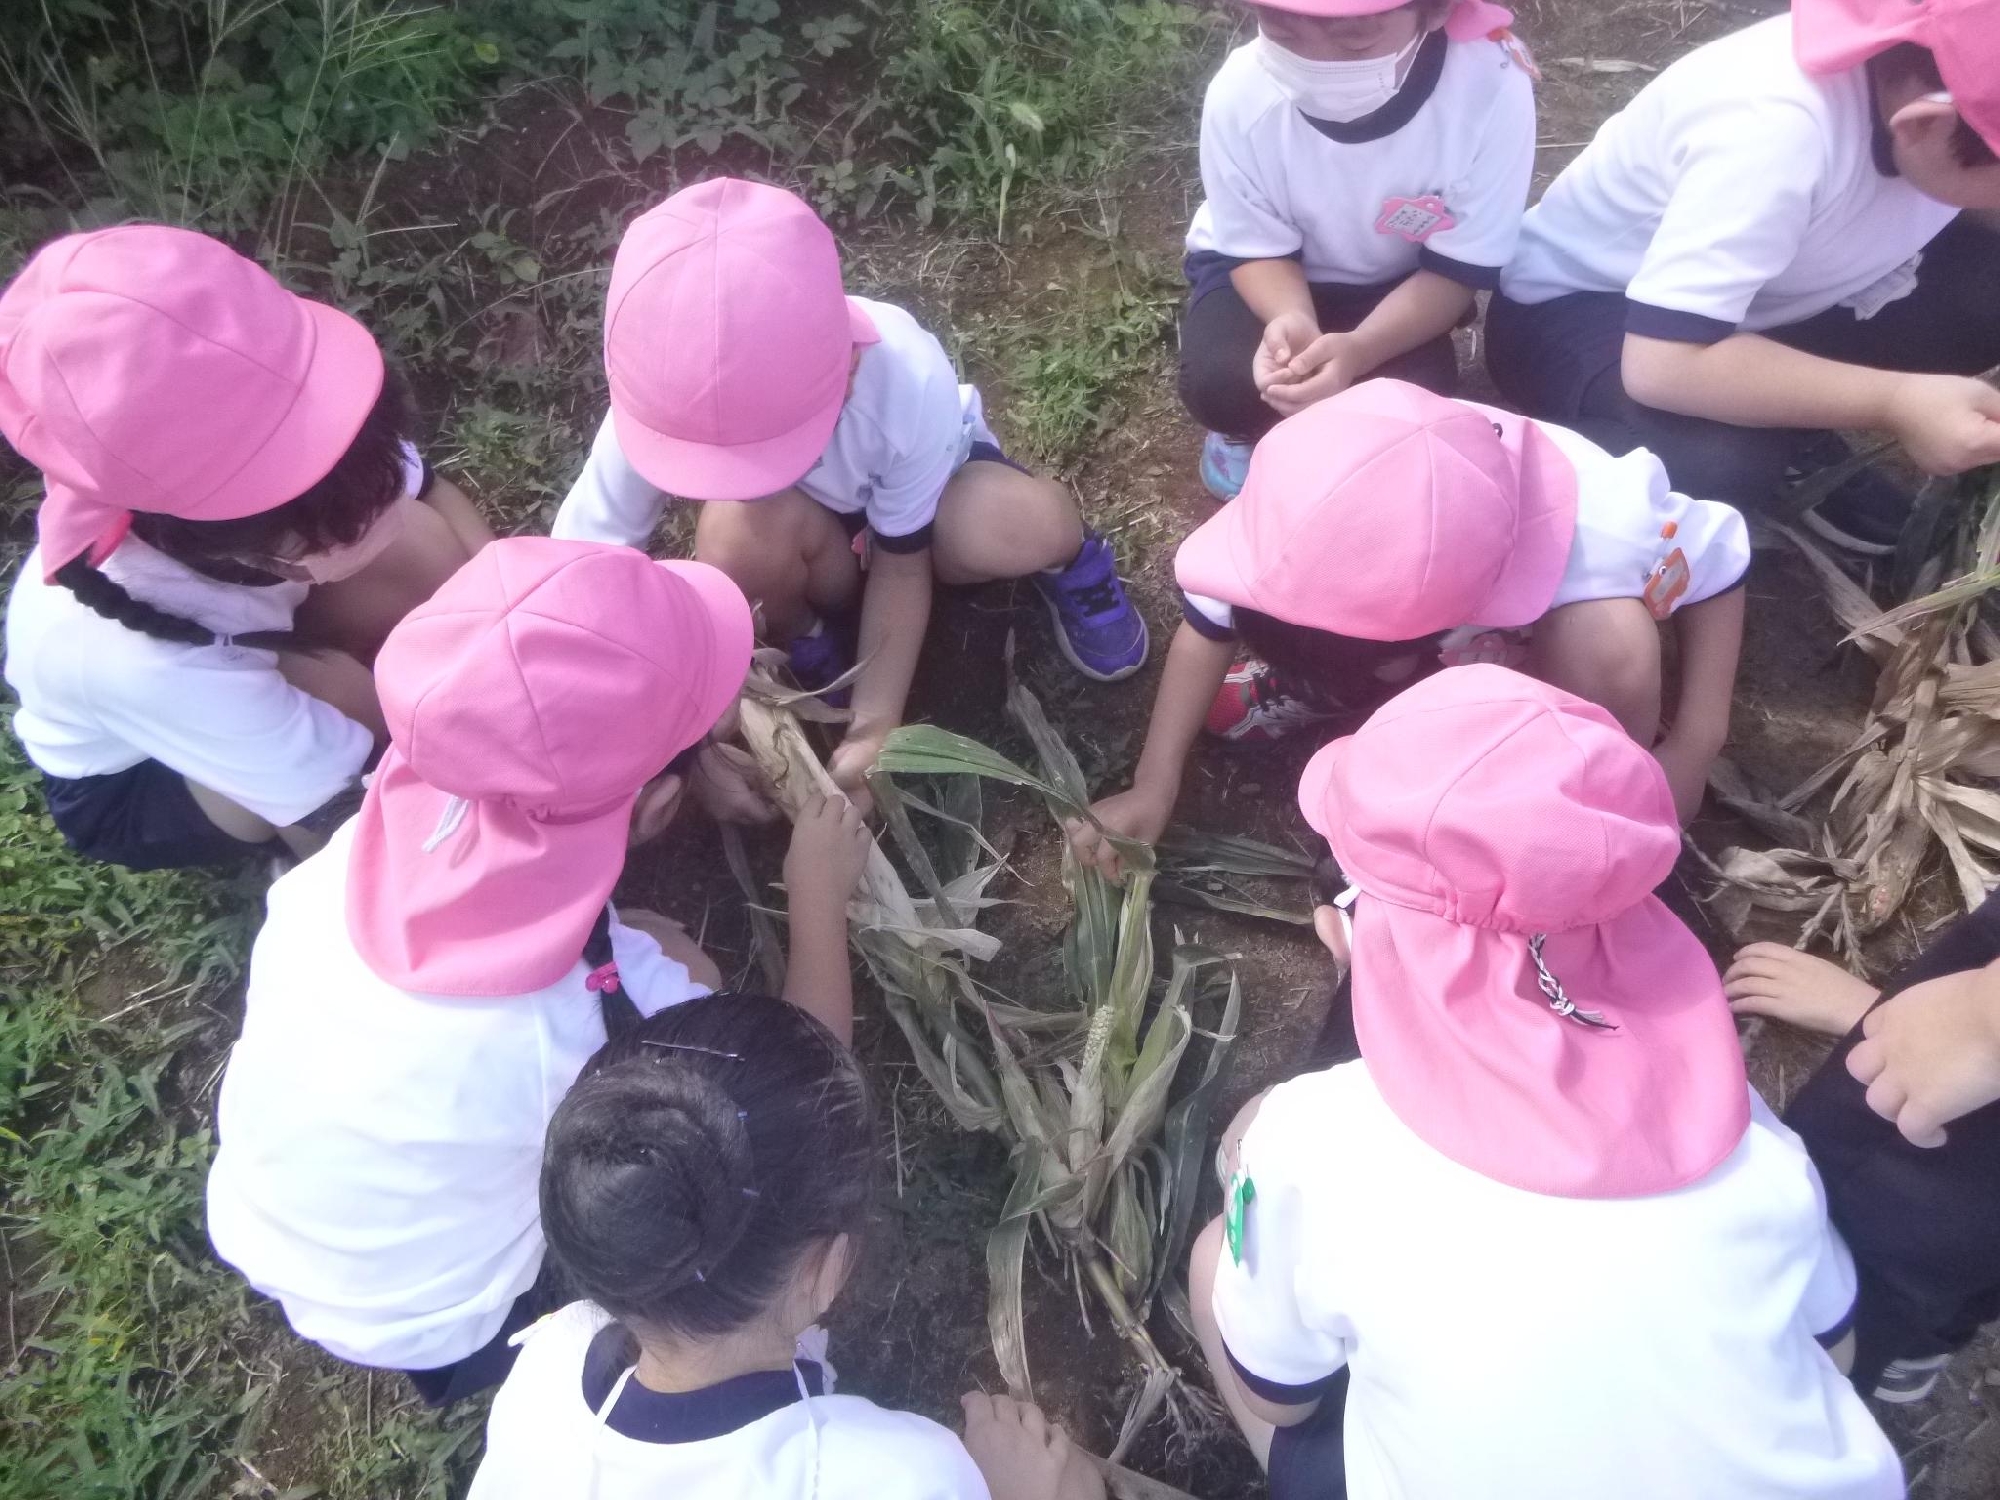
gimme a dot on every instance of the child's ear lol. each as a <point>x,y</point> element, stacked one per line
<point>659,800</point>
<point>831,1273</point>
<point>1926,124</point>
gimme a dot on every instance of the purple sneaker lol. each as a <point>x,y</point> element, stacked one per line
<point>1098,629</point>
<point>818,659</point>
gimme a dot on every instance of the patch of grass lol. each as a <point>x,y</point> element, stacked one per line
<point>1066,381</point>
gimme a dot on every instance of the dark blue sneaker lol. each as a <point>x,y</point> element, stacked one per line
<point>1096,626</point>
<point>818,659</point>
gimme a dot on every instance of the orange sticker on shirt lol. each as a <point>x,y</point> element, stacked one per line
<point>1669,580</point>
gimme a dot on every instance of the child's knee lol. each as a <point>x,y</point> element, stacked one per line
<point>1607,655</point>
<point>995,521</point>
<point>1203,1258</point>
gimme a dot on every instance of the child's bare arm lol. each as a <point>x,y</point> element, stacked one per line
<point>1948,423</point>
<point>1711,639</point>
<point>1193,674</point>
<point>895,610</point>
<point>1270,288</point>
<point>830,844</point>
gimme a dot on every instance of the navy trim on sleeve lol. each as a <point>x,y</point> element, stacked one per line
<point>1836,1333</point>
<point>915,541</point>
<point>1200,623</point>
<point>1652,322</point>
<point>1282,1395</point>
<point>429,479</point>
<point>1206,270</point>
<point>1479,278</point>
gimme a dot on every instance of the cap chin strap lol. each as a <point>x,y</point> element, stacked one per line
<point>1551,987</point>
<point>455,809</point>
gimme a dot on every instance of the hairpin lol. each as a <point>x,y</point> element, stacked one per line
<point>691,1047</point>
<point>1552,988</point>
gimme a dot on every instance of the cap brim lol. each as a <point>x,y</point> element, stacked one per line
<point>738,471</point>
<point>343,380</point>
<point>1544,533</point>
<point>502,905</point>
<point>1205,563</point>
<point>733,635</point>
<point>342,383</point>
<point>1469,1054</point>
<point>1316,801</point>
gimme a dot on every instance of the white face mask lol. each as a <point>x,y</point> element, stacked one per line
<point>1336,91</point>
<point>345,561</point>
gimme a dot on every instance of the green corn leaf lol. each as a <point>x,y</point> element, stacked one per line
<point>1184,1135</point>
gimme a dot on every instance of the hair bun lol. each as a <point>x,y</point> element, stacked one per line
<point>660,1149</point>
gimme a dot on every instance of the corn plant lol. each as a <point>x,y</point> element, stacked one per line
<point>1106,1163</point>
<point>1915,783</point>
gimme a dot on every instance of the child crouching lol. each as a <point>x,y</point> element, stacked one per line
<point>1542,1236</point>
<point>706,1185</point>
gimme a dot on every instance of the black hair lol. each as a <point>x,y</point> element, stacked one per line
<point>1339,673</point>
<point>1919,64</point>
<point>700,1158</point>
<point>335,512</point>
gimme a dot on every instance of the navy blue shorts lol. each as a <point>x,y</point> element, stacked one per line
<point>143,817</point>
<point>854,522</point>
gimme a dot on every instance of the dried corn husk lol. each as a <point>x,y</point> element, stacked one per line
<point>1906,795</point>
<point>1081,1087</point>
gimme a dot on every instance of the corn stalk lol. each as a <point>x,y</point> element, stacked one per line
<point>1913,787</point>
<point>1106,1165</point>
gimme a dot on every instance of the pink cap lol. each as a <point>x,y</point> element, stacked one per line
<point>728,340</point>
<point>155,369</point>
<point>528,703</point>
<point>1388,513</point>
<point>1468,21</point>
<point>1477,811</point>
<point>1830,36</point>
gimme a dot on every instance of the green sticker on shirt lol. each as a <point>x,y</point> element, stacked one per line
<point>1242,1193</point>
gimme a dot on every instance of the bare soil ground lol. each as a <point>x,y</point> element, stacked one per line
<point>912,1332</point>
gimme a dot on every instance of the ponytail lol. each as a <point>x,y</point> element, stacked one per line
<point>106,596</point>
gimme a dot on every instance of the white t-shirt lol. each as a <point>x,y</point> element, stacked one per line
<point>907,427</point>
<point>1636,538</point>
<point>1504,1343</point>
<point>380,1151</point>
<point>1734,192</point>
<point>98,697</point>
<point>1444,190</point>
<point>754,1436</point>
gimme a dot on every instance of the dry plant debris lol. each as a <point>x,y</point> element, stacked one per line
<point>1915,784</point>
<point>1107,1164</point>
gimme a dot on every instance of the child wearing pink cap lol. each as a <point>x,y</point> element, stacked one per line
<point>1364,166</point>
<point>741,371</point>
<point>426,987</point>
<point>1903,1122</point>
<point>232,520</point>
<point>1541,1237</point>
<point>1766,248</point>
<point>1386,531</point>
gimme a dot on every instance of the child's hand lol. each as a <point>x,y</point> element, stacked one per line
<point>1325,367</point>
<point>1932,1053</point>
<point>852,759</point>
<point>1286,337</point>
<point>830,846</point>
<point>1946,423</point>
<point>1136,814</point>
<point>728,782</point>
